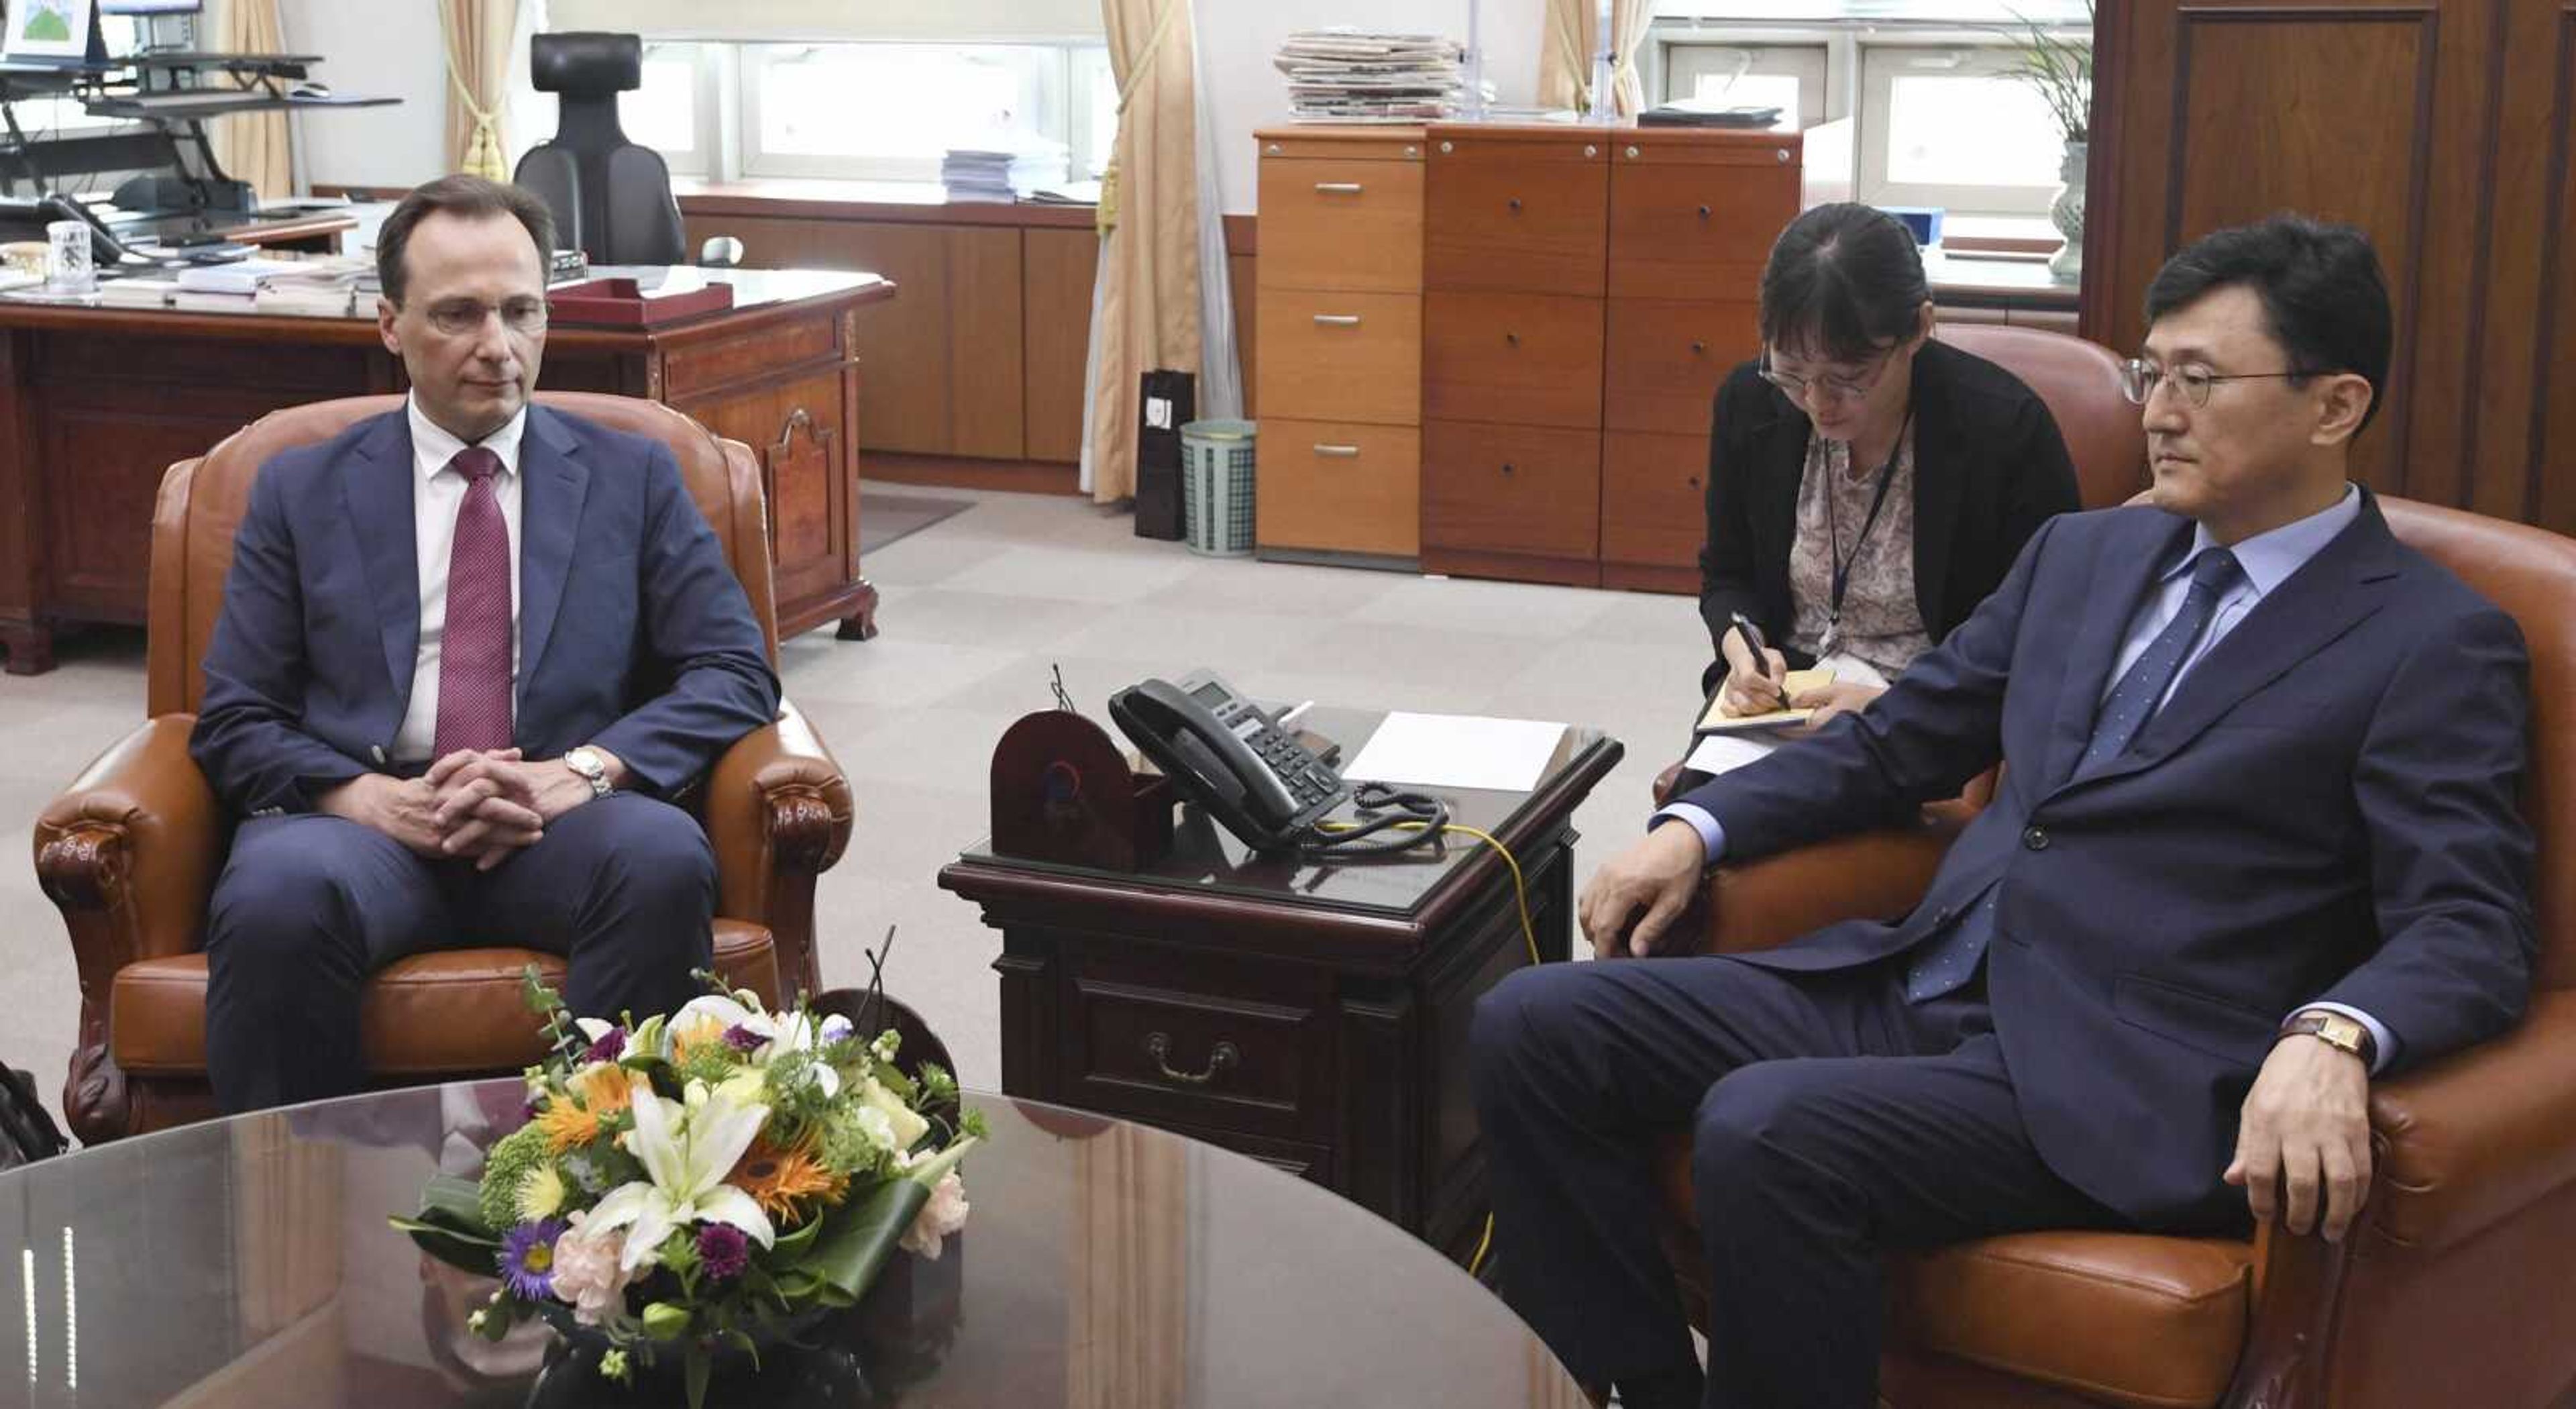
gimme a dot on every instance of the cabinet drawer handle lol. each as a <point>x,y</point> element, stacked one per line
<point>1159,1047</point>
<point>1515,205</point>
<point>1507,467</point>
<point>1337,188</point>
<point>1514,339</point>
<point>1698,346</point>
<point>1337,320</point>
<point>1338,452</point>
<point>1694,481</point>
<point>1703,212</point>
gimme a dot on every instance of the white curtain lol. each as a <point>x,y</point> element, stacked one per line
<point>1220,389</point>
<point>527,116</point>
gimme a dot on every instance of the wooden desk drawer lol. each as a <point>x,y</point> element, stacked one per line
<point>1511,489</point>
<point>698,367</point>
<point>1697,229</point>
<point>1341,224</point>
<point>1525,359</point>
<point>1666,359</point>
<point>1654,499</point>
<point>1340,356</point>
<point>1174,1055</point>
<point>1341,487</point>
<point>1516,216</point>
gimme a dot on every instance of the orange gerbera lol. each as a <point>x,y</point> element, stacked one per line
<point>567,1125</point>
<point>685,1041</point>
<point>604,1090</point>
<point>777,1178</point>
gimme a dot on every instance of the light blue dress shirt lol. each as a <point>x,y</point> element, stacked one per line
<point>2268,559</point>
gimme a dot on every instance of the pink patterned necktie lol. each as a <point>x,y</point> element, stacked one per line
<point>474,674</point>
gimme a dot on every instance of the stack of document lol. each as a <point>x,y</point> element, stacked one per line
<point>1353,75</point>
<point>1004,168</point>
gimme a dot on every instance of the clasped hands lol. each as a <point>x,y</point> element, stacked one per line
<point>2303,1135</point>
<point>482,805</point>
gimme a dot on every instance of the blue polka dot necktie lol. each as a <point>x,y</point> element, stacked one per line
<point>1947,961</point>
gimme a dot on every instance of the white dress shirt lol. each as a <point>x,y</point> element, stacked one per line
<point>437,492</point>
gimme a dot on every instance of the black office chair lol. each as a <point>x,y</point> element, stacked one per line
<point>611,198</point>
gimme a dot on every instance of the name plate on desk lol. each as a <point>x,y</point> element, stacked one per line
<point>625,303</point>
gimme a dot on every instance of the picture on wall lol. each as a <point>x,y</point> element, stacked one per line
<point>46,29</point>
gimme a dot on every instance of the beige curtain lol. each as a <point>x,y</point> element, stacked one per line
<point>1146,312</point>
<point>252,146</point>
<point>478,76</point>
<point>1127,1346</point>
<point>1570,30</point>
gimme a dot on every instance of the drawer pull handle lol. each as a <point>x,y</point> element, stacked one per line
<point>1513,339</point>
<point>1338,452</point>
<point>1337,320</point>
<point>1698,346</point>
<point>1159,1047</point>
<point>1507,467</point>
<point>1515,204</point>
<point>1694,481</point>
<point>1703,212</point>
<point>1337,188</point>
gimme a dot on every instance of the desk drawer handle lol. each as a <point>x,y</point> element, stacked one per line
<point>1337,188</point>
<point>1338,452</point>
<point>1337,320</point>
<point>1159,1047</point>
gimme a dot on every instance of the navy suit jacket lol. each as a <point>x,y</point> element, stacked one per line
<point>633,633</point>
<point>2324,809</point>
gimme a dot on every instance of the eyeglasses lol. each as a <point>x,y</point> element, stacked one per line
<point>1839,388</point>
<point>457,317</point>
<point>2139,379</point>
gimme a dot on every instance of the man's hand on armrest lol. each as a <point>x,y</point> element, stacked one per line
<point>1629,906</point>
<point>2305,1132</point>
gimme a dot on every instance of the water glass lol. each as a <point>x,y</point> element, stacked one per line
<point>67,259</point>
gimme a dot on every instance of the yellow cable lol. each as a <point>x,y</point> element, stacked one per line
<point>1529,936</point>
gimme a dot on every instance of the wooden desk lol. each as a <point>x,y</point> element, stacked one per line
<point>1338,992</point>
<point>96,402</point>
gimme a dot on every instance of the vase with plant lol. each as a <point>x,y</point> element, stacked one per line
<point>2061,68</point>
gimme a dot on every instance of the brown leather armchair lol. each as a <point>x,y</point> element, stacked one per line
<point>131,850</point>
<point>2451,1290</point>
<point>2080,383</point>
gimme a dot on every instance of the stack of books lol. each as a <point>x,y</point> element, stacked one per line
<point>1353,75</point>
<point>1004,168</point>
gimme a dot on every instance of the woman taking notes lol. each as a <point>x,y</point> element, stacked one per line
<point>1867,486</point>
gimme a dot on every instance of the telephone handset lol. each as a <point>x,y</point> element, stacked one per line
<point>1225,754</point>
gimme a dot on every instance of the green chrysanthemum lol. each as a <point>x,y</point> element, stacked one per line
<point>505,1170</point>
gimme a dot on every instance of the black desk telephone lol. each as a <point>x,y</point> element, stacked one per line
<point>1271,791</point>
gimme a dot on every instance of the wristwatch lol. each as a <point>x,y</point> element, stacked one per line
<point>586,762</point>
<point>2336,1031</point>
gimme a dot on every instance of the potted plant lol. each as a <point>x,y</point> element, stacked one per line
<point>2061,68</point>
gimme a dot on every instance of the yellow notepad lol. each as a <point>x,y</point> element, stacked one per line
<point>1796,682</point>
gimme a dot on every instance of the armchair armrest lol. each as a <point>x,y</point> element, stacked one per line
<point>2478,1136</point>
<point>777,812</point>
<point>1765,903</point>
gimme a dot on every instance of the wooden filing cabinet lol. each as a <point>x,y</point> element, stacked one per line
<point>1338,344</point>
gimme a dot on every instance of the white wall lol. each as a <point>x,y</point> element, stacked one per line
<point>387,48</point>
<point>1238,39</point>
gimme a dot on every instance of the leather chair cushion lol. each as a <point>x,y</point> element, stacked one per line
<point>2123,1318</point>
<point>448,1012</point>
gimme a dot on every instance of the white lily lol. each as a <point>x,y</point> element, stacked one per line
<point>686,1152</point>
<point>709,1016</point>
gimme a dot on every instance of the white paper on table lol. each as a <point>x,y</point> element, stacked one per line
<point>1719,753</point>
<point>1457,751</point>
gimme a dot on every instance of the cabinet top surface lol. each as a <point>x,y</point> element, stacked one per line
<point>1205,860</point>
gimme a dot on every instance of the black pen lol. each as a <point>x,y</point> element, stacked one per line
<point>1752,635</point>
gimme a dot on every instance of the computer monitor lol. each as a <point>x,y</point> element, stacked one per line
<point>150,7</point>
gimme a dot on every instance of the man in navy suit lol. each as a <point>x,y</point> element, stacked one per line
<point>2256,841</point>
<point>468,651</point>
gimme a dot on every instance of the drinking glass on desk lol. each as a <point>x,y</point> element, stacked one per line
<point>67,258</point>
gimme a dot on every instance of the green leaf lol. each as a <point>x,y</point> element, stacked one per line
<point>698,1366</point>
<point>451,1227</point>
<point>861,1236</point>
<point>788,1247</point>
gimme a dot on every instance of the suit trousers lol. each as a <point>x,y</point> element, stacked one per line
<point>1830,1119</point>
<point>308,906</point>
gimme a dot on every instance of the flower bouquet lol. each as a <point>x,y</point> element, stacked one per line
<point>722,1178</point>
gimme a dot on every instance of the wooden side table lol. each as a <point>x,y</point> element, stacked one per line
<point>1312,1015</point>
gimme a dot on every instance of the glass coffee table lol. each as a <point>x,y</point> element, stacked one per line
<point>248,1262</point>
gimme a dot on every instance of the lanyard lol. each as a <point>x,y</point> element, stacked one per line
<point>1843,565</point>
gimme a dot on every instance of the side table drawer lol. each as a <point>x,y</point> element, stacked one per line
<point>1171,1057</point>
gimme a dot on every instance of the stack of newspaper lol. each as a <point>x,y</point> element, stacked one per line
<point>1353,75</point>
<point>1004,168</point>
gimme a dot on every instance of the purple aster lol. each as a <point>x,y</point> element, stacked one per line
<point>528,1259</point>
<point>743,1039</point>
<point>610,1046</point>
<point>723,1251</point>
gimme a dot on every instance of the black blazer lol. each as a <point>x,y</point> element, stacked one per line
<point>1989,469</point>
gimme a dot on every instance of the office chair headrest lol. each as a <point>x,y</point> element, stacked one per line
<point>587,64</point>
